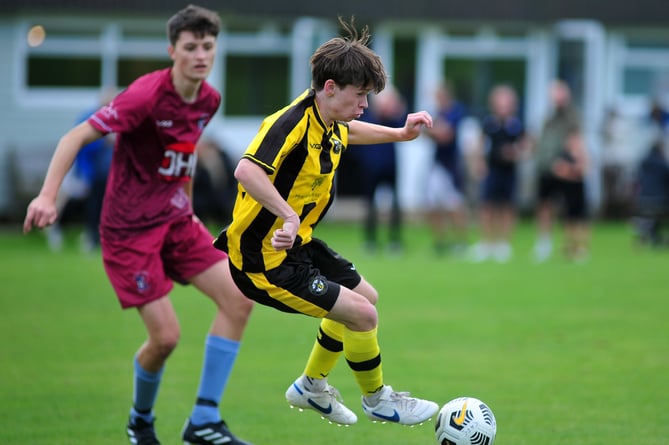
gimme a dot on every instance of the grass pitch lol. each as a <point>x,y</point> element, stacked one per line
<point>563,353</point>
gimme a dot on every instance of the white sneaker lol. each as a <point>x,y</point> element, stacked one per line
<point>502,252</point>
<point>54,238</point>
<point>479,252</point>
<point>327,403</point>
<point>398,407</point>
<point>543,249</point>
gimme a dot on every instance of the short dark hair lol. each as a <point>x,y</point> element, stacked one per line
<point>348,61</point>
<point>200,21</point>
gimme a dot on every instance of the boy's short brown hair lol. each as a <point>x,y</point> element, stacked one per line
<point>348,61</point>
<point>200,21</point>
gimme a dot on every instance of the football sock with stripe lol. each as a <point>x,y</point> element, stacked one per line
<point>145,391</point>
<point>363,355</point>
<point>326,351</point>
<point>219,357</point>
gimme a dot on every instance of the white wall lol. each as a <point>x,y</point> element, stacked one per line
<point>34,121</point>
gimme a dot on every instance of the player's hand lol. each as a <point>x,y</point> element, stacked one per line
<point>284,238</point>
<point>562,169</point>
<point>414,124</point>
<point>510,152</point>
<point>41,213</point>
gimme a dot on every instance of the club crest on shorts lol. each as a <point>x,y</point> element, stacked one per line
<point>142,281</point>
<point>318,286</point>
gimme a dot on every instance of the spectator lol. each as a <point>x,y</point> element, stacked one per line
<point>379,163</point>
<point>651,193</point>
<point>563,121</point>
<point>445,197</point>
<point>504,144</point>
<point>570,169</point>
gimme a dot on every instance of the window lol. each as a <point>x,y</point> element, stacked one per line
<point>256,85</point>
<point>63,72</point>
<point>645,67</point>
<point>643,81</point>
<point>129,69</point>
<point>404,76</point>
<point>472,80</point>
<point>65,62</point>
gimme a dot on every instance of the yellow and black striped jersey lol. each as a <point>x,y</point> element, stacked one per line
<point>300,155</point>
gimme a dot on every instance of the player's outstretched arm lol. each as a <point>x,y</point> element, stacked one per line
<point>42,210</point>
<point>362,133</point>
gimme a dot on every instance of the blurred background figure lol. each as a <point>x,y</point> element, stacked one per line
<point>563,121</point>
<point>504,145</point>
<point>651,191</point>
<point>624,139</point>
<point>84,185</point>
<point>570,169</point>
<point>378,171</point>
<point>445,183</point>
<point>214,184</point>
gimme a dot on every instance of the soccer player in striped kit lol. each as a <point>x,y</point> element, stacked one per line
<point>286,186</point>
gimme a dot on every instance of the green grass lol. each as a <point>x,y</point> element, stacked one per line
<point>563,353</point>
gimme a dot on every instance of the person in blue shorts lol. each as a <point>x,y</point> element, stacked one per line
<point>445,181</point>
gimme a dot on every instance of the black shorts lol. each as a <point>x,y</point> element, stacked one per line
<point>575,208</point>
<point>548,187</point>
<point>306,282</point>
<point>569,194</point>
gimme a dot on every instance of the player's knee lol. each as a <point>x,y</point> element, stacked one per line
<point>365,317</point>
<point>166,343</point>
<point>372,295</point>
<point>367,290</point>
<point>238,308</point>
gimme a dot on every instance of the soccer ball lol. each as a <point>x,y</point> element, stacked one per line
<point>465,421</point>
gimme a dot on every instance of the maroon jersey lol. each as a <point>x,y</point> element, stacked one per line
<point>154,152</point>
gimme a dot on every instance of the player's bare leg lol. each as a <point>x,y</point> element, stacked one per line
<point>163,335</point>
<point>205,425</point>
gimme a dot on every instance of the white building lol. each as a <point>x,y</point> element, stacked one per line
<point>59,55</point>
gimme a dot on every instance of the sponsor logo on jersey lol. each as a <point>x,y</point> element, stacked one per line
<point>165,123</point>
<point>317,182</point>
<point>179,161</point>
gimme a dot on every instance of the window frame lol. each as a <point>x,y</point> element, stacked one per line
<point>105,40</point>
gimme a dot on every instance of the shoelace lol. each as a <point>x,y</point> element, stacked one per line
<point>403,397</point>
<point>334,393</point>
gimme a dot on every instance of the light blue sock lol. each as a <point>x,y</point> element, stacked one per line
<point>219,357</point>
<point>146,386</point>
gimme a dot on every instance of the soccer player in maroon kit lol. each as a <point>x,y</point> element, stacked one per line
<point>149,234</point>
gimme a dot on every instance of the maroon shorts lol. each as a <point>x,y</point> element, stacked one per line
<point>143,265</point>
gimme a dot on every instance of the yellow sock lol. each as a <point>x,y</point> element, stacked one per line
<point>363,355</point>
<point>326,351</point>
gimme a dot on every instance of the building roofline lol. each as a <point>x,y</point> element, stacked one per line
<point>616,12</point>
